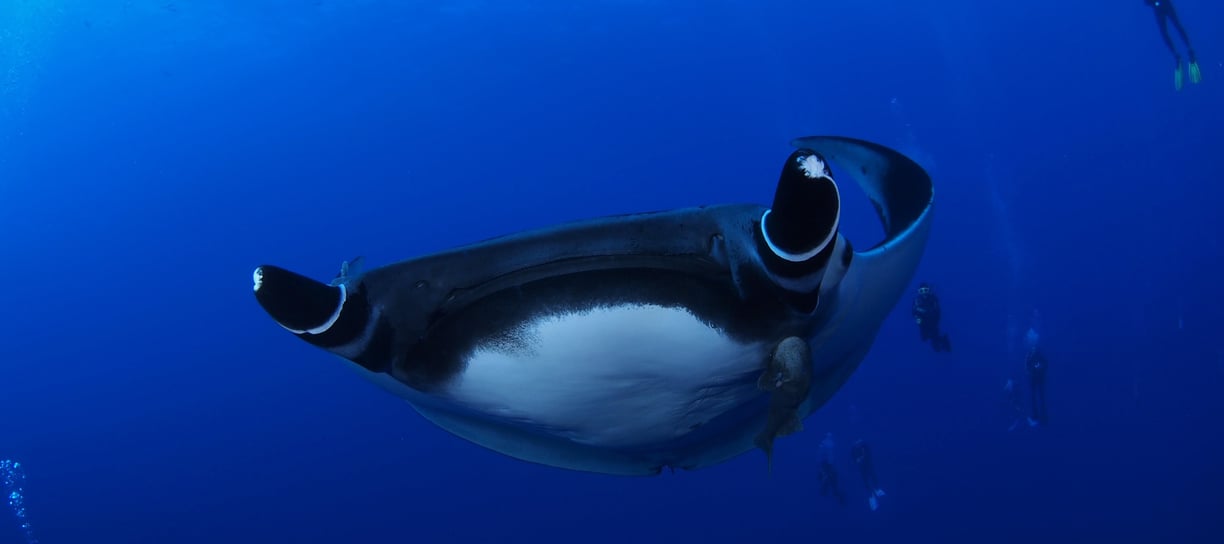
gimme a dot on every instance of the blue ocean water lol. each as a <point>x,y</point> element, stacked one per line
<point>152,153</point>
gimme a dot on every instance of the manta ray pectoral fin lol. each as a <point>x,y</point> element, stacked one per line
<point>903,196</point>
<point>899,188</point>
<point>788,378</point>
<point>875,279</point>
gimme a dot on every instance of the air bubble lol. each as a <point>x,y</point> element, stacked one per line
<point>12,475</point>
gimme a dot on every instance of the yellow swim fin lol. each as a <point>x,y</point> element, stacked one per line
<point>1177,77</point>
<point>1196,76</point>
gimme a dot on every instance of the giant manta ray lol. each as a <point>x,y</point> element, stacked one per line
<point>626,344</point>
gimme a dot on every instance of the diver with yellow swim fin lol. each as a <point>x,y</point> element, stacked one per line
<point>1165,13</point>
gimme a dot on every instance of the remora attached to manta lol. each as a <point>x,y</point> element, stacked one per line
<point>626,344</point>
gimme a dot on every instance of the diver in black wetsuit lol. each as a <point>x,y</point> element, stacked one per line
<point>926,314</point>
<point>1165,14</point>
<point>1036,364</point>
<point>861,453</point>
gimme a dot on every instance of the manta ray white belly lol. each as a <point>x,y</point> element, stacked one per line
<point>623,377</point>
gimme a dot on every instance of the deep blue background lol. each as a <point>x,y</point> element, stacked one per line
<point>152,153</point>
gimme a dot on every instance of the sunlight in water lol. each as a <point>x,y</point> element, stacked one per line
<point>23,27</point>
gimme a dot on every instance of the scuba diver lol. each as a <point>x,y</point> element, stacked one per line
<point>861,454</point>
<point>926,314</point>
<point>1037,364</point>
<point>1015,408</point>
<point>1165,13</point>
<point>828,474</point>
